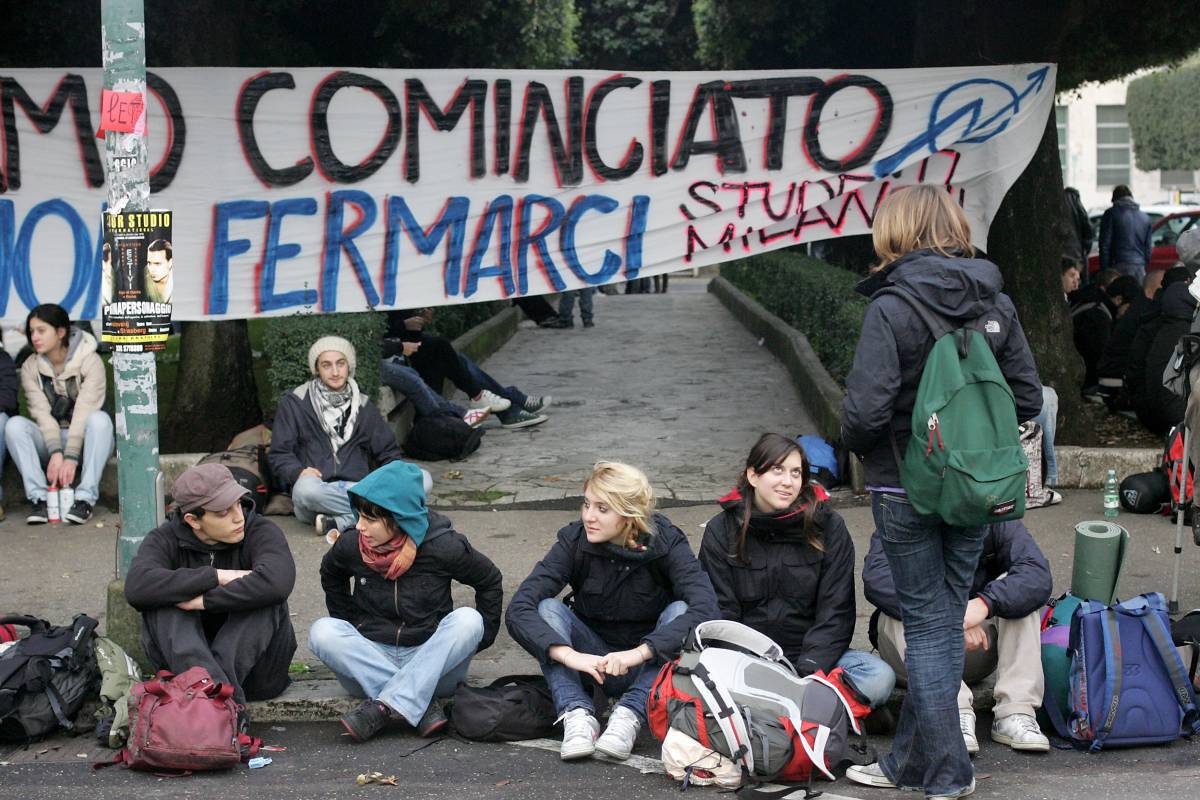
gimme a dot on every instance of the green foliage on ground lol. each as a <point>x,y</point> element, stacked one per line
<point>287,340</point>
<point>813,297</point>
<point>1164,118</point>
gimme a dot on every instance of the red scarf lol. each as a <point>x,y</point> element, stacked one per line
<point>392,558</point>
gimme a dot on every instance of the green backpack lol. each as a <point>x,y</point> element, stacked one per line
<point>964,462</point>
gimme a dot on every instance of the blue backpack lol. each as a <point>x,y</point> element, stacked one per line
<point>822,460</point>
<point>1128,685</point>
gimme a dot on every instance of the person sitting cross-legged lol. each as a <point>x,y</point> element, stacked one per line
<point>1002,631</point>
<point>397,639</point>
<point>326,436</point>
<point>212,584</point>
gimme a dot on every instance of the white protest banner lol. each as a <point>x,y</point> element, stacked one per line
<point>338,190</point>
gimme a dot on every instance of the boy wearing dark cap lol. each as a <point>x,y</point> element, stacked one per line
<point>212,584</point>
<point>397,640</point>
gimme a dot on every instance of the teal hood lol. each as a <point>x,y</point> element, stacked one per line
<point>400,488</point>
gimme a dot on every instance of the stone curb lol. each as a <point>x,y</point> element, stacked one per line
<point>1078,467</point>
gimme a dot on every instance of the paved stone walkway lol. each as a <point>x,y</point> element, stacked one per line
<point>671,383</point>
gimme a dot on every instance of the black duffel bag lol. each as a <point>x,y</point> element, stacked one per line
<point>509,709</point>
<point>440,436</point>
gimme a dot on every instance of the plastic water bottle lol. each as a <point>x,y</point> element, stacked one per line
<point>1112,502</point>
<point>52,513</point>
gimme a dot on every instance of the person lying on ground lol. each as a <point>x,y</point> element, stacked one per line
<point>436,360</point>
<point>64,383</point>
<point>782,561</point>
<point>328,435</point>
<point>397,640</point>
<point>636,591</point>
<point>1001,631</point>
<point>212,584</point>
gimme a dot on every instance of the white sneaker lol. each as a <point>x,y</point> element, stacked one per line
<point>580,730</point>
<point>618,738</point>
<point>475,416</point>
<point>1020,732</point>
<point>491,401</point>
<point>966,723</point>
<point>869,775</point>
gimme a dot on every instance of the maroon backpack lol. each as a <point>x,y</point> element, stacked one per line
<point>180,723</point>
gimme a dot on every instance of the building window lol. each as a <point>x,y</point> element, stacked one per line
<point>1183,179</point>
<point>1060,121</point>
<point>1112,146</point>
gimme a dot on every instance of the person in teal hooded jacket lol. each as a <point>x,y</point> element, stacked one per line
<point>397,640</point>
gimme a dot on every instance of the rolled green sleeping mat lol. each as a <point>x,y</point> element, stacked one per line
<point>1099,556</point>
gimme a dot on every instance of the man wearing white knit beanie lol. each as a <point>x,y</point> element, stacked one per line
<point>327,437</point>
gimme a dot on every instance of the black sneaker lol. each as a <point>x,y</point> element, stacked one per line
<point>367,720</point>
<point>38,515</point>
<point>81,512</point>
<point>559,324</point>
<point>432,721</point>
<point>587,323</point>
<point>535,405</point>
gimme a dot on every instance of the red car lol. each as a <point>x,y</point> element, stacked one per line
<point>1163,235</point>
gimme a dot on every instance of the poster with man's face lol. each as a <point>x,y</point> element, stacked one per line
<point>138,280</point>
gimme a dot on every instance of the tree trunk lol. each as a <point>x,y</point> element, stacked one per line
<point>215,393</point>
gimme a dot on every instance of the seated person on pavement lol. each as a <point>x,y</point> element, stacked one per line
<point>397,639</point>
<point>636,591</point>
<point>327,436</point>
<point>782,561</point>
<point>1001,628</point>
<point>212,585</point>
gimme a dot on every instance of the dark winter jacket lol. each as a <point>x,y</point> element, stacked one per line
<point>1124,235</point>
<point>9,383</point>
<point>1169,319</point>
<point>618,596</point>
<point>1092,315</point>
<point>299,441</point>
<point>882,386</point>
<point>172,566</point>
<point>1009,548</point>
<point>799,596</point>
<point>1115,361</point>
<point>405,612</point>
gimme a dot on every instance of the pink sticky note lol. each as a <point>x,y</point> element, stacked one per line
<point>122,112</point>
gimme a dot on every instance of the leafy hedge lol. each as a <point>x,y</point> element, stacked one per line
<point>287,339</point>
<point>1164,118</point>
<point>454,321</point>
<point>813,297</point>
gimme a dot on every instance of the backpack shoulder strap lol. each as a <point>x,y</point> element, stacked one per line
<point>1181,686</point>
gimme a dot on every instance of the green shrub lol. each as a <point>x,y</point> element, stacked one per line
<point>454,321</point>
<point>286,341</point>
<point>813,297</point>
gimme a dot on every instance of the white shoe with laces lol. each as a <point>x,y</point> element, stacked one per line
<point>491,401</point>
<point>1020,732</point>
<point>622,731</point>
<point>966,723</point>
<point>475,416</point>
<point>580,730</point>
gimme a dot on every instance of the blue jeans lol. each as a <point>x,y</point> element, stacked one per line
<point>566,304</point>
<point>395,373</point>
<point>870,674</point>
<point>512,393</point>
<point>405,679</point>
<point>933,565</point>
<point>29,452</point>
<point>1048,419</point>
<point>312,496</point>
<point>632,688</point>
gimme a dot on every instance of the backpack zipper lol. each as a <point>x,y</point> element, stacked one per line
<point>935,430</point>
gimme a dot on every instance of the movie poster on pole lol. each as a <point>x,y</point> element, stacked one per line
<point>137,280</point>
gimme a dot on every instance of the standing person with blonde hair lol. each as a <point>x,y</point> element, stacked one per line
<point>923,241</point>
<point>636,591</point>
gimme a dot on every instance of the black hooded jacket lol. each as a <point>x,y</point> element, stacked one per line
<point>173,566</point>
<point>1170,317</point>
<point>618,595</point>
<point>405,612</point>
<point>799,596</point>
<point>882,386</point>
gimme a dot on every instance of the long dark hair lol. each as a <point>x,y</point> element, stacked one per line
<point>370,510</point>
<point>53,315</point>
<point>771,450</point>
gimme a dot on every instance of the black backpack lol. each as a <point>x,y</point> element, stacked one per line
<point>249,467</point>
<point>509,709</point>
<point>45,677</point>
<point>440,436</point>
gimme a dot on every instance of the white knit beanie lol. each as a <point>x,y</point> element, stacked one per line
<point>327,343</point>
